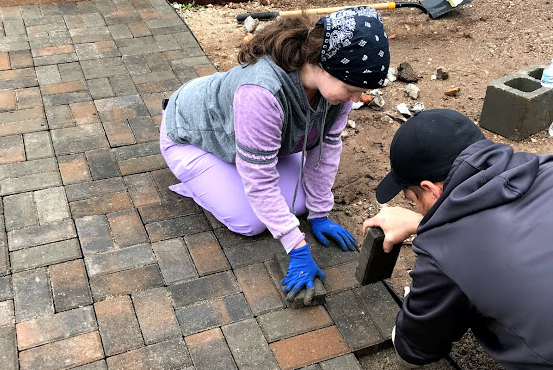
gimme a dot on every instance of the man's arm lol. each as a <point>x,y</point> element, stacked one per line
<point>435,314</point>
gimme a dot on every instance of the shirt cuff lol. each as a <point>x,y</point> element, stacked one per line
<point>290,240</point>
<point>313,214</point>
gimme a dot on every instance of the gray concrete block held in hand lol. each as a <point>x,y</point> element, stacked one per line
<point>375,264</point>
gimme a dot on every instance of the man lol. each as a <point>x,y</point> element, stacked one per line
<point>484,242</point>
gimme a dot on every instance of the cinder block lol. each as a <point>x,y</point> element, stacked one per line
<point>375,264</point>
<point>517,106</point>
<point>319,295</point>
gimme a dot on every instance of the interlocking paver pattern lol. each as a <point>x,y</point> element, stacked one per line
<point>101,265</point>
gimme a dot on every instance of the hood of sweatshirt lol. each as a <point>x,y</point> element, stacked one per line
<point>485,175</point>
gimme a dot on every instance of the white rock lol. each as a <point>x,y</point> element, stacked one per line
<point>377,103</point>
<point>412,90</point>
<point>251,24</point>
<point>357,105</point>
<point>417,107</point>
<point>259,27</point>
<point>375,92</point>
<point>351,123</point>
<point>402,108</point>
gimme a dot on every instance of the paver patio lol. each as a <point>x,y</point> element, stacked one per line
<point>101,266</point>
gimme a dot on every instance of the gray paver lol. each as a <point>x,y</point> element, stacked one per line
<point>32,296</point>
<point>248,346</point>
<point>212,314</point>
<point>174,261</point>
<point>45,255</point>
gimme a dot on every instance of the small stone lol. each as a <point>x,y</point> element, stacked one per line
<point>453,91</point>
<point>396,118</point>
<point>377,103</point>
<point>417,108</point>
<point>351,123</point>
<point>251,24</point>
<point>402,108</point>
<point>259,28</point>
<point>247,38</point>
<point>412,91</point>
<point>391,76</point>
<point>357,105</point>
<point>441,73</point>
<point>406,73</point>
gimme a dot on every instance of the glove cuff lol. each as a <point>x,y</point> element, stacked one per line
<point>300,252</point>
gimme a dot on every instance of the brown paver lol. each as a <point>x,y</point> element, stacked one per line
<point>101,265</point>
<point>309,348</point>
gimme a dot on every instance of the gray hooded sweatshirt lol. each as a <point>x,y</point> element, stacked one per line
<point>485,262</point>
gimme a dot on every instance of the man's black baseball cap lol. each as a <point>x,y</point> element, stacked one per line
<point>424,148</point>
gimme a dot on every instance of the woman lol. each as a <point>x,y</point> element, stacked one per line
<point>259,144</point>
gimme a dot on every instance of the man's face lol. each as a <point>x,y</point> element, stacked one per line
<point>423,199</point>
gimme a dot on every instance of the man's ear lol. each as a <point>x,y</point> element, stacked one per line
<point>435,188</point>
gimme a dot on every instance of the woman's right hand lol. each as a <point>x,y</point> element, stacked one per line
<point>397,223</point>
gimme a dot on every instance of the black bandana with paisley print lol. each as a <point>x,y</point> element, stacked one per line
<point>355,47</point>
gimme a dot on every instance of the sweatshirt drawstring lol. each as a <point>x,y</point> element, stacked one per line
<point>303,150</point>
<point>321,137</point>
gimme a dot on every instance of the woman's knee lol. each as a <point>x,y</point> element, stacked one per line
<point>246,227</point>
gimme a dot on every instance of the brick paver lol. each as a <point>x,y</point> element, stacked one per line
<point>101,265</point>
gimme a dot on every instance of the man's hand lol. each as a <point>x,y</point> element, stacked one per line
<point>397,223</point>
<point>322,227</point>
<point>302,269</point>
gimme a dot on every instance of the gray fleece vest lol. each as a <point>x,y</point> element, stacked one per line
<point>201,111</point>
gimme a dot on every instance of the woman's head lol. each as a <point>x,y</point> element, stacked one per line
<point>351,45</point>
<point>355,47</point>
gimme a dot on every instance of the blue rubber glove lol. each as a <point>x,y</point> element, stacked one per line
<point>302,269</point>
<point>322,227</point>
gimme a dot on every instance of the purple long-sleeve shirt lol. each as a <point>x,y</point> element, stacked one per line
<point>258,121</point>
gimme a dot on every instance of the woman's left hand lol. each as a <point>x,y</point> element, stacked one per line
<point>322,227</point>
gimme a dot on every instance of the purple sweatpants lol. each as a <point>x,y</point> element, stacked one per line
<point>216,186</point>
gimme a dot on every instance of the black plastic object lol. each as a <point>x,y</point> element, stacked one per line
<point>261,16</point>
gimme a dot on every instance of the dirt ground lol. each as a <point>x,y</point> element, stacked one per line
<point>476,43</point>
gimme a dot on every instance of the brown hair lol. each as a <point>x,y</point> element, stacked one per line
<point>288,41</point>
<point>417,189</point>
